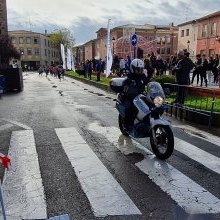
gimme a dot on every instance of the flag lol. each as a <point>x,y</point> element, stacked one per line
<point>109,53</point>
<point>72,62</point>
<point>63,55</point>
<point>69,59</point>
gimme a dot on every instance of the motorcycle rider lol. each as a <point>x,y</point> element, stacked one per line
<point>133,86</point>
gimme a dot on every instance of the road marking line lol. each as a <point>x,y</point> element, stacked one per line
<point>104,193</point>
<point>18,124</point>
<point>193,131</point>
<point>206,159</point>
<point>5,127</point>
<point>22,185</point>
<point>193,198</point>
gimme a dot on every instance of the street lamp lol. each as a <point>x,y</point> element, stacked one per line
<point>188,42</point>
<point>113,44</point>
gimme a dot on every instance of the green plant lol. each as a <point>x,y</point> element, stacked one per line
<point>164,79</point>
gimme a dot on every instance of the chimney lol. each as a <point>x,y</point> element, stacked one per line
<point>46,32</point>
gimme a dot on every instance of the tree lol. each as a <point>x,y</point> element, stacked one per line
<point>63,36</point>
<point>7,51</point>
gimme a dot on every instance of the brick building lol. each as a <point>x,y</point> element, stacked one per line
<point>3,18</point>
<point>35,49</point>
<point>160,39</point>
<point>201,36</point>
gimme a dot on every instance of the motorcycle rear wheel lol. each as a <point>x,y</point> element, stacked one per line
<point>163,146</point>
<point>121,124</point>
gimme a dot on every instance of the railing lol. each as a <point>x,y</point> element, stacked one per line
<point>193,99</point>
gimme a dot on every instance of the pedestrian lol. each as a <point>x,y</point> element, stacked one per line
<point>148,66</point>
<point>159,66</point>
<point>182,70</point>
<point>40,71</point>
<point>214,69</point>
<point>122,67</point>
<point>203,75</point>
<point>99,69</point>
<point>197,69</point>
<point>209,69</point>
<point>90,69</point>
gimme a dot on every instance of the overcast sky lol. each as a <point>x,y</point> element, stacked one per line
<point>85,17</point>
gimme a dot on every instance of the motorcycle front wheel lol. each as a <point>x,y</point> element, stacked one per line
<point>121,123</point>
<point>162,141</point>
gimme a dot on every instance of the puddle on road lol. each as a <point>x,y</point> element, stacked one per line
<point>113,135</point>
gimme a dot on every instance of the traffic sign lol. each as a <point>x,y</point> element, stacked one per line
<point>134,40</point>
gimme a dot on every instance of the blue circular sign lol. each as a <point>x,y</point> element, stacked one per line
<point>134,40</point>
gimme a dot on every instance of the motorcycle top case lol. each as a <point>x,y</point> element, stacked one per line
<point>117,84</point>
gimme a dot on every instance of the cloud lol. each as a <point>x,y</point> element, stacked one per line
<point>85,17</point>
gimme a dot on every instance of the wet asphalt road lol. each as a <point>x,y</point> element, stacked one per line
<point>47,104</point>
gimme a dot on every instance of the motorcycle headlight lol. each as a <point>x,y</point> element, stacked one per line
<point>158,101</point>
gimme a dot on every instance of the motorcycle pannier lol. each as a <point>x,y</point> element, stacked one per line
<point>117,84</point>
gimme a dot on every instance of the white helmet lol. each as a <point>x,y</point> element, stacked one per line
<point>137,66</point>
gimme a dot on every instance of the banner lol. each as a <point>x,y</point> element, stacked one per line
<point>109,53</point>
<point>72,61</point>
<point>63,55</point>
<point>69,59</point>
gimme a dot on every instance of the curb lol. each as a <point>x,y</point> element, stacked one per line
<point>93,83</point>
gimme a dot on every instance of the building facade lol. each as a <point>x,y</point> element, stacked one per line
<point>35,49</point>
<point>3,18</point>
<point>187,38</point>
<point>201,36</point>
<point>162,40</point>
<point>208,34</point>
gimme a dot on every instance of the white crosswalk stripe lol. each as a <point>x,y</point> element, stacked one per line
<point>104,193</point>
<point>22,185</point>
<point>5,127</point>
<point>203,157</point>
<point>193,198</point>
<point>107,198</point>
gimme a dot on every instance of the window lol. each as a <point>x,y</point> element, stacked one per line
<point>37,51</point>
<point>48,53</point>
<point>45,42</point>
<point>45,52</point>
<point>162,50</point>
<point>182,33</point>
<point>14,40</point>
<point>168,50</point>
<point>202,52</point>
<point>187,32</point>
<point>28,40</point>
<point>213,29</point>
<point>36,41</point>
<point>158,50</point>
<point>204,30</point>
<point>21,40</point>
<point>21,50</point>
<point>48,43</point>
<point>211,52</point>
<point>29,51</point>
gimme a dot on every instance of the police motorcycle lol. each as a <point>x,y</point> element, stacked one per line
<point>148,120</point>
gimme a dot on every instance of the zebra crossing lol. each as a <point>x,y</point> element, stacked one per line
<point>23,189</point>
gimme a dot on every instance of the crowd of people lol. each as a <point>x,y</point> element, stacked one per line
<point>206,70</point>
<point>55,71</point>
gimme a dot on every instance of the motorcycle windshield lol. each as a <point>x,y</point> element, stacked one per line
<point>154,89</point>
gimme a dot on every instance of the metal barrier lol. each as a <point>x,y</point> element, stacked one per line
<point>193,99</point>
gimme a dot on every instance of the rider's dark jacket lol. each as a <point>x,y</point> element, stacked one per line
<point>135,84</point>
